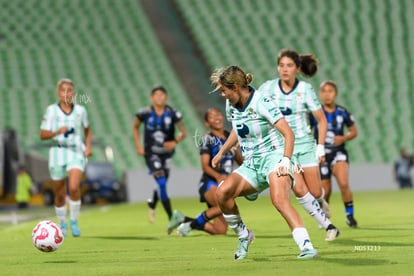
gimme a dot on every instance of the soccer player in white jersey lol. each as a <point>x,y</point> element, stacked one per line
<point>296,99</point>
<point>66,124</point>
<point>266,142</point>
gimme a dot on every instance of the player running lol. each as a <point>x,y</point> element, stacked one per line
<point>159,144</point>
<point>296,99</point>
<point>336,159</point>
<point>65,123</point>
<point>266,142</point>
<point>210,144</point>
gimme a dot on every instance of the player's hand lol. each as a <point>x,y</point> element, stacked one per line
<point>170,145</point>
<point>141,151</point>
<point>283,167</point>
<point>220,179</point>
<point>88,152</point>
<point>215,163</point>
<point>339,140</point>
<point>62,130</point>
<point>320,153</point>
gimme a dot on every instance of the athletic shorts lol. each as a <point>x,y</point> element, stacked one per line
<point>330,160</point>
<point>59,170</point>
<point>305,154</point>
<point>157,162</point>
<point>206,183</point>
<point>258,173</point>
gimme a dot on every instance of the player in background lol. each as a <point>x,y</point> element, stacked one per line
<point>210,144</point>
<point>66,124</point>
<point>296,99</point>
<point>266,142</point>
<point>159,122</point>
<point>336,158</point>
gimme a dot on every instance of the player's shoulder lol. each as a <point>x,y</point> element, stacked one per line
<point>79,107</point>
<point>304,85</point>
<point>144,110</point>
<point>266,85</point>
<point>341,108</point>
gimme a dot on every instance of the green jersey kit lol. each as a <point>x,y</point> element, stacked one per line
<point>295,106</point>
<point>68,148</point>
<point>254,125</point>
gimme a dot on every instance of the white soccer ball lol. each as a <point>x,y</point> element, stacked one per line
<point>47,236</point>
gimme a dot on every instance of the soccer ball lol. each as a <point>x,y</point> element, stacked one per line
<point>47,236</point>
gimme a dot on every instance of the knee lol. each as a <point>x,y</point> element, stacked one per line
<point>223,194</point>
<point>280,204</point>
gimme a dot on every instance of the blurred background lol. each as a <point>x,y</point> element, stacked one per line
<point>116,51</point>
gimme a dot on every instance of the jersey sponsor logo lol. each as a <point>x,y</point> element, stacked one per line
<point>286,111</point>
<point>69,132</point>
<point>242,130</point>
<point>269,98</point>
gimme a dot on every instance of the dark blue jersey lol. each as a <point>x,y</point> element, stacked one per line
<point>158,128</point>
<point>211,145</point>
<point>337,121</point>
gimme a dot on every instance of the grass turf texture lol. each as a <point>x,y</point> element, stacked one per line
<point>118,240</point>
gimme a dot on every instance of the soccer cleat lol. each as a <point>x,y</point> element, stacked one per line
<point>184,229</point>
<point>176,219</point>
<point>308,253</point>
<point>326,209</point>
<point>151,211</point>
<point>331,233</point>
<point>64,227</point>
<point>75,228</point>
<point>252,197</point>
<point>351,221</point>
<point>243,247</point>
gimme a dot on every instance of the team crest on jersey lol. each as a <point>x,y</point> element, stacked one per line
<point>167,122</point>
<point>252,113</point>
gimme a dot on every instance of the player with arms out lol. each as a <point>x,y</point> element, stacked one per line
<point>159,122</point>
<point>210,144</point>
<point>296,99</point>
<point>336,159</point>
<point>266,142</point>
<point>66,124</point>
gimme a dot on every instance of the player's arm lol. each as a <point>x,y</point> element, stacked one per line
<point>352,133</point>
<point>135,132</point>
<point>320,118</point>
<point>283,127</point>
<point>47,134</point>
<point>238,157</point>
<point>207,169</point>
<point>183,132</point>
<point>230,142</point>
<point>88,141</point>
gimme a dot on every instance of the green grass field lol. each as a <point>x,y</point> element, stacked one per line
<point>118,240</point>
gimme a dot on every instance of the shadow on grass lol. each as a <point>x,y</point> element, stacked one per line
<point>353,243</point>
<point>355,262</point>
<point>132,238</point>
<point>60,262</point>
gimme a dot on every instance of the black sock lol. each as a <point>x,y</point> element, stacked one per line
<point>199,222</point>
<point>154,200</point>
<point>187,219</point>
<point>167,207</point>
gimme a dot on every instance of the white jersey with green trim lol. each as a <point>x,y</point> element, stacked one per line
<point>70,143</point>
<point>295,106</point>
<point>254,125</point>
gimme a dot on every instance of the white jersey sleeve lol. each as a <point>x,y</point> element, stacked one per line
<point>267,107</point>
<point>47,120</point>
<point>311,99</point>
<point>85,120</point>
